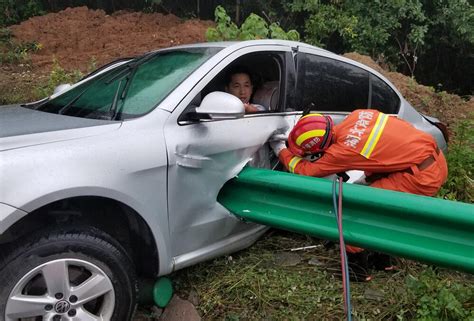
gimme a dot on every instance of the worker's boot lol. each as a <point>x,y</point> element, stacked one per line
<point>382,262</point>
<point>359,266</point>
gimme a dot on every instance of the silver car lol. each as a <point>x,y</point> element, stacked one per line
<point>116,177</point>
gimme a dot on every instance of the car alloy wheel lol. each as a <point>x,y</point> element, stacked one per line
<point>63,289</point>
<point>67,273</point>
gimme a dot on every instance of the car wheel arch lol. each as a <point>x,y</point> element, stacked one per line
<point>115,218</point>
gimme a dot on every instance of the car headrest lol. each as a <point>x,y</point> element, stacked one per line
<point>267,95</point>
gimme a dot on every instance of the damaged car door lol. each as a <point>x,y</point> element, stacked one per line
<point>204,152</point>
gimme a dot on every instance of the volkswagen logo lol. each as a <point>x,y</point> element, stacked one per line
<point>62,306</point>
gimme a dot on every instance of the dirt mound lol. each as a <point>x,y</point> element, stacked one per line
<point>75,36</point>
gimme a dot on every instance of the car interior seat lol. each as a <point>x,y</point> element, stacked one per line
<point>267,95</point>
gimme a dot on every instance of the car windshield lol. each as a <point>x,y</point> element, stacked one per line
<point>132,89</point>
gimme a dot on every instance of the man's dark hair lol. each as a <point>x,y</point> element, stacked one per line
<point>237,69</point>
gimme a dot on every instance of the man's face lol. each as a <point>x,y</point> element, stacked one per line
<point>240,86</point>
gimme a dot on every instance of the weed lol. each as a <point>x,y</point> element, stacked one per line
<point>12,52</point>
<point>412,84</point>
<point>92,64</point>
<point>439,299</point>
<point>444,96</point>
<point>426,101</point>
<point>5,35</point>
<point>460,183</point>
<point>57,76</point>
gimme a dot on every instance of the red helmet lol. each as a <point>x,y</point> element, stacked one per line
<point>312,134</point>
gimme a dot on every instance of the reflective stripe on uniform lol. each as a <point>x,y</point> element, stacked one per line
<point>309,134</point>
<point>374,135</point>
<point>293,162</point>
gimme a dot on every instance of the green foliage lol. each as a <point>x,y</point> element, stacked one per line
<point>254,27</point>
<point>57,77</point>
<point>394,28</point>
<point>431,39</point>
<point>460,183</point>
<point>451,21</point>
<point>92,64</point>
<point>15,11</point>
<point>225,29</point>
<point>325,20</point>
<point>11,52</point>
<point>439,299</point>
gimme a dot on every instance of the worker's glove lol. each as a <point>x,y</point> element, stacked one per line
<point>356,177</point>
<point>277,146</point>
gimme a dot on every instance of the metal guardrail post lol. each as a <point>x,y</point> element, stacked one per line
<point>412,226</point>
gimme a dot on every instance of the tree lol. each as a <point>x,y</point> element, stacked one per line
<point>432,40</point>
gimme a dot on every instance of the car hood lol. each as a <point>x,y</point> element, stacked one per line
<point>22,127</point>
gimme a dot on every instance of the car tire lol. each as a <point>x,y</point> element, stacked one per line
<point>80,274</point>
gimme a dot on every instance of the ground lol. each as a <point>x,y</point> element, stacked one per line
<point>80,39</point>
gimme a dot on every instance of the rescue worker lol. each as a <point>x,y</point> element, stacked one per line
<point>393,154</point>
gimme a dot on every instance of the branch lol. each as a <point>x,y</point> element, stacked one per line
<point>404,57</point>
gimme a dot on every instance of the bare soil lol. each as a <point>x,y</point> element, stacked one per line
<point>74,36</point>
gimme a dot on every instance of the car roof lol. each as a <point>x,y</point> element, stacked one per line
<point>247,43</point>
<point>234,45</point>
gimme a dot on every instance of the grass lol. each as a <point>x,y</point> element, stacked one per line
<point>256,285</point>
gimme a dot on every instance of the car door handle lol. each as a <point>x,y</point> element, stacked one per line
<point>192,161</point>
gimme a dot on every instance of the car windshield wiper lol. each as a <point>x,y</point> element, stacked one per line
<point>130,67</point>
<point>113,108</point>
<point>66,107</point>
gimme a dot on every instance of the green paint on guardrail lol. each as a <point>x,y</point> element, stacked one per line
<point>417,227</point>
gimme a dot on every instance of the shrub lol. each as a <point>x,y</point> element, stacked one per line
<point>57,77</point>
<point>15,11</point>
<point>254,27</point>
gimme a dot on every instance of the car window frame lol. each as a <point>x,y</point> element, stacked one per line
<point>338,71</point>
<point>219,66</point>
<point>324,53</point>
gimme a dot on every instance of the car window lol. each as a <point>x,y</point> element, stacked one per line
<point>156,78</point>
<point>266,72</point>
<point>132,89</point>
<point>383,97</point>
<point>330,85</point>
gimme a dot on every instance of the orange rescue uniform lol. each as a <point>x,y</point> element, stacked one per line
<point>374,142</point>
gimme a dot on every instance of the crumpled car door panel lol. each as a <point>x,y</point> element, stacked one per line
<point>202,157</point>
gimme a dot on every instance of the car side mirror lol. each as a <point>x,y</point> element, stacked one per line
<point>221,105</point>
<point>60,88</point>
